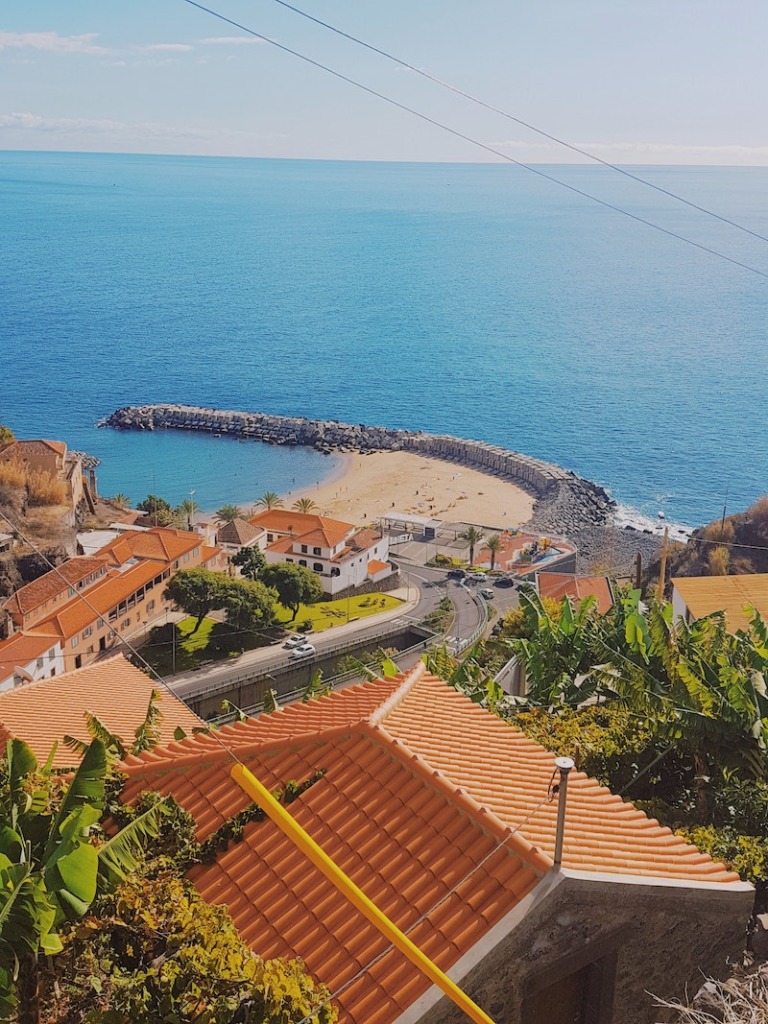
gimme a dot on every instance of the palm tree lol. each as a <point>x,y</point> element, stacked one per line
<point>304,505</point>
<point>473,535</point>
<point>186,509</point>
<point>120,501</point>
<point>270,500</point>
<point>227,513</point>
<point>494,545</point>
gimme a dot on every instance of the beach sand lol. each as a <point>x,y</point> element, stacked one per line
<point>367,487</point>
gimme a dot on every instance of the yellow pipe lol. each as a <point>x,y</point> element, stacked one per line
<point>274,810</point>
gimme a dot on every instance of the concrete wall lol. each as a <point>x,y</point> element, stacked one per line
<point>658,937</point>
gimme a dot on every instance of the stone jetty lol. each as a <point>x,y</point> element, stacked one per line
<point>565,502</point>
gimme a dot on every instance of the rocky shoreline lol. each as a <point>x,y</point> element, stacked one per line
<point>565,503</point>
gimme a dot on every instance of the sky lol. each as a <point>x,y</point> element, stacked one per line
<point>633,81</point>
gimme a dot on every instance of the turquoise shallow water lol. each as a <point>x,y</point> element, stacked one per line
<point>471,299</point>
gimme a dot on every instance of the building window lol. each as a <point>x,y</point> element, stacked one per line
<point>71,592</point>
<point>150,606</point>
<point>176,564</point>
<point>39,662</point>
<point>125,623</point>
<point>302,561</point>
<point>316,551</point>
<point>100,623</point>
<point>75,641</point>
<point>289,559</point>
<point>52,653</point>
<point>186,557</point>
<point>270,538</point>
<point>87,632</point>
<point>318,566</point>
<point>303,549</point>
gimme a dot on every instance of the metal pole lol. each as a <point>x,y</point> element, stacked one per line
<point>565,766</point>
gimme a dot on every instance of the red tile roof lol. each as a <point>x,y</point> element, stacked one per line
<point>20,649</point>
<point>421,786</point>
<point>46,587</point>
<point>118,694</point>
<point>560,584</point>
<point>281,521</point>
<point>375,565</point>
<point>159,542</point>
<point>16,449</point>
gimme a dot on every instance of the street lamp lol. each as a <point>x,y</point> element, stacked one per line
<point>189,513</point>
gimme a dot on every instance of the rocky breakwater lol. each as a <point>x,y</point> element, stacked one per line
<point>565,502</point>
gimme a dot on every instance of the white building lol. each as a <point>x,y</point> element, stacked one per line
<point>25,658</point>
<point>341,554</point>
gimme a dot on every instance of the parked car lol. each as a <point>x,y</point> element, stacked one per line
<point>297,640</point>
<point>456,574</point>
<point>305,651</point>
<point>478,577</point>
<point>487,593</point>
<point>504,581</point>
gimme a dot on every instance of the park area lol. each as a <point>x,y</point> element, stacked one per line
<point>178,647</point>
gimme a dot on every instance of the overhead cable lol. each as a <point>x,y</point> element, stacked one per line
<point>518,120</point>
<point>476,142</point>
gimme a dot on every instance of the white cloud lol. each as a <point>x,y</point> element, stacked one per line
<point>635,153</point>
<point>168,48</point>
<point>51,42</point>
<point>80,125</point>
<point>230,40</point>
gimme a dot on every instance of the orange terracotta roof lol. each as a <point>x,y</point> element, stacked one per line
<point>560,584</point>
<point>68,574</point>
<point>364,539</point>
<point>159,543</point>
<point>282,521</point>
<point>730,594</point>
<point>20,649</point>
<point>375,566</point>
<point>281,546</point>
<point>99,600</point>
<point>117,693</point>
<point>420,786</point>
<point>323,536</point>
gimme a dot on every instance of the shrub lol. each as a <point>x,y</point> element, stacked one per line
<point>13,473</point>
<point>44,489</point>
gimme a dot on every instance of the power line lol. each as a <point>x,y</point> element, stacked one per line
<point>518,120</point>
<point>476,142</point>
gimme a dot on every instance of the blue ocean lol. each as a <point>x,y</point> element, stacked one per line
<point>477,300</point>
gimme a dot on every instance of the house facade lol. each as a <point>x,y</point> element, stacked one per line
<point>25,659</point>
<point>53,458</point>
<point>342,555</point>
<point>85,603</point>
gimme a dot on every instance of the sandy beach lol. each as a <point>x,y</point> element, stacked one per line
<point>370,486</point>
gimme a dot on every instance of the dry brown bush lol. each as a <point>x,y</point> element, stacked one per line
<point>720,532</point>
<point>741,999</point>
<point>44,489</point>
<point>718,560</point>
<point>13,473</point>
<point>758,512</point>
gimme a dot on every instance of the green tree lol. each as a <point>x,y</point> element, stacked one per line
<point>6,436</point>
<point>51,862</point>
<point>472,535</point>
<point>295,585</point>
<point>494,545</point>
<point>250,561</point>
<point>158,510</point>
<point>249,604</point>
<point>228,513</point>
<point>270,500</point>
<point>197,592</point>
<point>304,505</point>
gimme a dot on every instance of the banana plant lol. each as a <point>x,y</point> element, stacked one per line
<point>51,863</point>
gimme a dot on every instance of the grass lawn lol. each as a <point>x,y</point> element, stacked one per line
<point>326,614</point>
<point>191,649</point>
